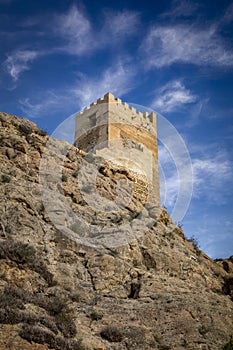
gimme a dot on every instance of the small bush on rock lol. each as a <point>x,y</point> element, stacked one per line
<point>37,334</point>
<point>12,297</point>
<point>41,335</point>
<point>42,132</point>
<point>23,253</point>
<point>65,323</point>
<point>17,251</point>
<point>5,178</point>
<point>25,128</point>
<point>229,344</point>
<point>112,334</point>
<point>64,178</point>
<point>193,240</point>
<point>8,316</point>
<point>96,315</point>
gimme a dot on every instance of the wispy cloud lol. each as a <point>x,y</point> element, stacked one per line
<point>118,79</point>
<point>80,37</point>
<point>172,96</point>
<point>75,34</point>
<point>42,104</point>
<point>181,8</point>
<point>75,29</point>
<point>212,177</point>
<point>198,111</point>
<point>166,45</point>
<point>228,16</point>
<point>213,233</point>
<point>18,62</point>
<point>120,25</point>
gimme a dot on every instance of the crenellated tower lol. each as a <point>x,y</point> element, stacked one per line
<point>112,129</point>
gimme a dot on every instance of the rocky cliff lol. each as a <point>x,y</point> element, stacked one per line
<point>64,286</point>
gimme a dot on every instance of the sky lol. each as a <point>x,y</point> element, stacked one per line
<point>174,57</point>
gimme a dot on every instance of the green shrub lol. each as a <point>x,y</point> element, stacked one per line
<point>41,335</point>
<point>64,178</point>
<point>39,328</point>
<point>32,319</point>
<point>76,297</point>
<point>193,240</point>
<point>13,297</point>
<point>52,304</point>
<point>5,178</point>
<point>37,334</point>
<point>203,329</point>
<point>57,308</point>
<point>25,128</point>
<point>42,132</point>
<point>112,334</point>
<point>65,323</point>
<point>96,315</point>
<point>17,251</point>
<point>23,253</point>
<point>229,344</point>
<point>75,173</point>
<point>39,267</point>
<point>10,316</point>
<point>40,207</point>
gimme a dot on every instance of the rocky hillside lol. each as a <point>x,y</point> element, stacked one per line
<point>75,278</point>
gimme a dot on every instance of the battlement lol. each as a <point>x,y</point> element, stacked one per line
<point>132,116</point>
<point>114,130</point>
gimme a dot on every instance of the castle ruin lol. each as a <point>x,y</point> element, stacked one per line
<point>125,137</point>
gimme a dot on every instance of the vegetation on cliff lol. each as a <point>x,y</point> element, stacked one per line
<point>157,290</point>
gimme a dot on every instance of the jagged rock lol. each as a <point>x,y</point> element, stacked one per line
<point>125,279</point>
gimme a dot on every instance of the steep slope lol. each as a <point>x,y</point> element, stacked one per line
<point>69,280</point>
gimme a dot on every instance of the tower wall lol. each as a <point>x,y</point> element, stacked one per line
<point>123,136</point>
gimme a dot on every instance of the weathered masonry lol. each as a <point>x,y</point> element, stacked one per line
<point>128,138</point>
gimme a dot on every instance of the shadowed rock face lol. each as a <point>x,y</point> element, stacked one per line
<point>154,290</point>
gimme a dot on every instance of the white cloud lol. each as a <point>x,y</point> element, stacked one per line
<point>172,96</point>
<point>181,8</point>
<point>75,28</point>
<point>165,45</point>
<point>212,177</point>
<point>76,36</point>
<point>119,25</point>
<point>116,79</point>
<point>212,184</point>
<point>195,112</point>
<point>18,62</point>
<point>228,16</point>
<point>46,103</point>
<point>213,230</point>
<point>80,37</point>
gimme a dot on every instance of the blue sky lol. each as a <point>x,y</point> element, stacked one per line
<point>175,57</point>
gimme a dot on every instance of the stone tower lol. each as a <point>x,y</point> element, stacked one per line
<point>111,129</point>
